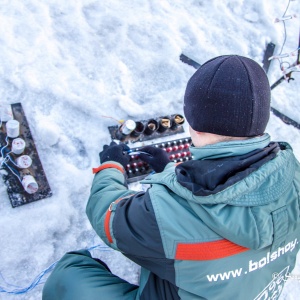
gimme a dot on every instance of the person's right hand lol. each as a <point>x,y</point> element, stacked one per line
<point>157,158</point>
<point>115,152</point>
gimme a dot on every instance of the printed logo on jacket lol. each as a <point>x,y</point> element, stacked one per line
<point>275,286</point>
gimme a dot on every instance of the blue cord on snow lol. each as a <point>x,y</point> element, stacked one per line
<point>18,290</point>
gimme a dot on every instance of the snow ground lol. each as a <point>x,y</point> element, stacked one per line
<point>70,63</point>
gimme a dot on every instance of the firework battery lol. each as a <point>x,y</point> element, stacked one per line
<point>29,184</point>
<point>164,124</point>
<point>151,127</point>
<point>24,162</point>
<point>127,127</point>
<point>18,146</point>
<point>12,128</point>
<point>139,129</point>
<point>176,120</point>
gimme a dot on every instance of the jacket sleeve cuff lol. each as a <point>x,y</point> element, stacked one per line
<point>107,165</point>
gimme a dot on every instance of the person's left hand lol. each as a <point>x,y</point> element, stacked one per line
<point>115,152</point>
<point>157,158</point>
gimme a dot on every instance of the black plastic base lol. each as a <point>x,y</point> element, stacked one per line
<point>16,193</point>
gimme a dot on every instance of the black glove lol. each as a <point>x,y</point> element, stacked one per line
<point>116,153</point>
<point>157,158</point>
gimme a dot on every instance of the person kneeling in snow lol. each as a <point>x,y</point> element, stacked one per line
<point>224,225</point>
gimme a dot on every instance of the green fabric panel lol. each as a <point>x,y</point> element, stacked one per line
<point>176,221</point>
<point>230,148</point>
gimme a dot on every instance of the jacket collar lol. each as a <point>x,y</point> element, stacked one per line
<point>231,148</point>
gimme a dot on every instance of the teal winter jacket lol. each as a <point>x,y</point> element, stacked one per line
<point>224,225</point>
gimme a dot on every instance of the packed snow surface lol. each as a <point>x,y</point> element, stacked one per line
<point>77,66</point>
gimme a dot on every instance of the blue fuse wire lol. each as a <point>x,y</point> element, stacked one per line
<point>18,290</point>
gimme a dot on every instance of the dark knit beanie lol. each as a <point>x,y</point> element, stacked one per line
<point>228,95</point>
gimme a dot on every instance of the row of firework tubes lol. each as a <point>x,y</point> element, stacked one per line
<point>133,129</point>
<point>16,146</point>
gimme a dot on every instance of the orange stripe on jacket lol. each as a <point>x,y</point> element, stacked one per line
<point>106,166</point>
<point>106,226</point>
<point>208,250</point>
<point>107,218</point>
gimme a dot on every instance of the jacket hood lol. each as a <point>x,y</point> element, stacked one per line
<point>236,195</point>
<point>205,177</point>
